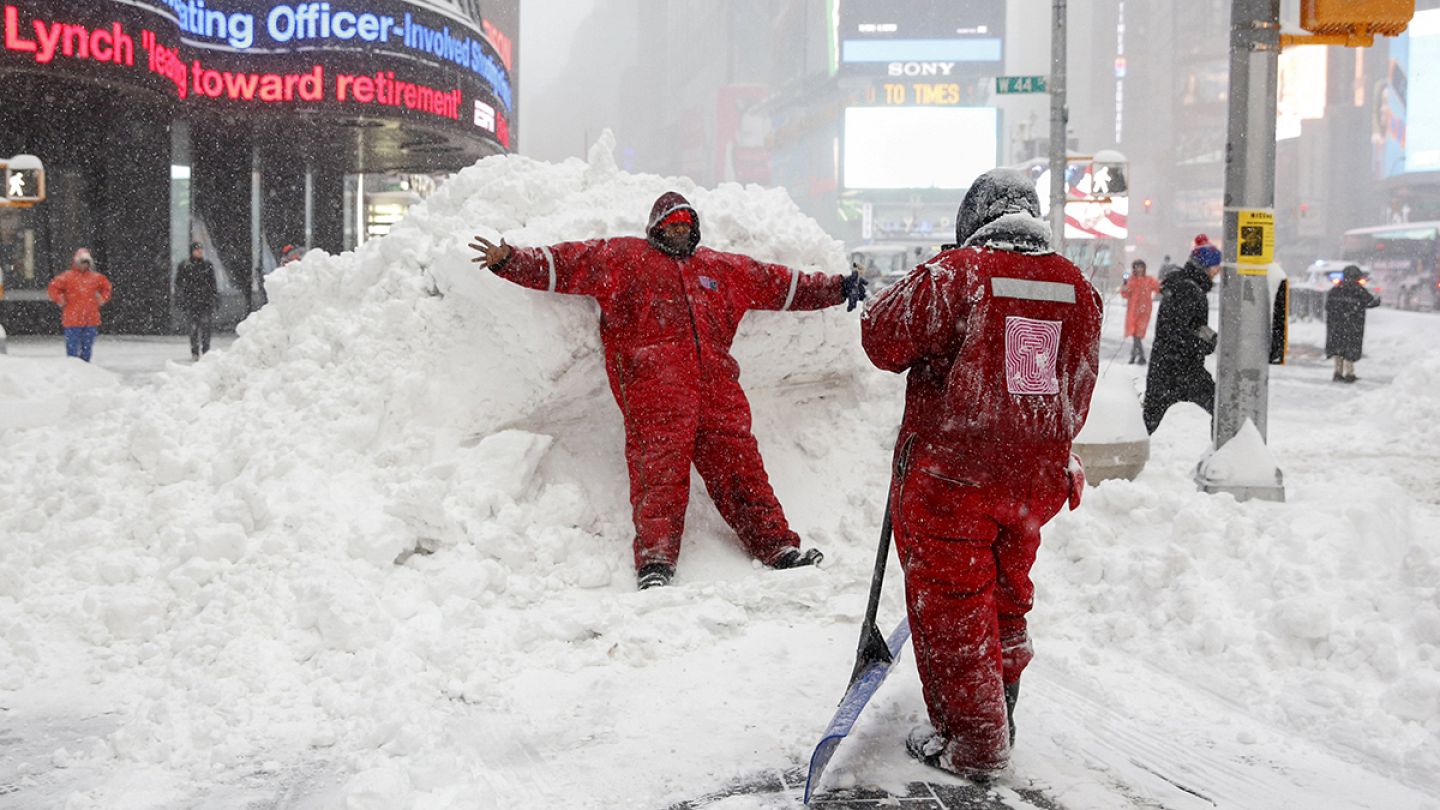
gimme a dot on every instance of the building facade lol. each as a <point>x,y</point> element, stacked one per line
<point>245,125</point>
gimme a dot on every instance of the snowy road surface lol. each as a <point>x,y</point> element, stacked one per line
<point>200,604</point>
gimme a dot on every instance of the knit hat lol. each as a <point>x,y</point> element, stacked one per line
<point>1205,254</point>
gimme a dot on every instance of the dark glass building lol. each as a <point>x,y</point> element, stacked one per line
<point>245,125</point>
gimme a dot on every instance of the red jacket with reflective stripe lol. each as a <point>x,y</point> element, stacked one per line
<point>649,297</point>
<point>1002,348</point>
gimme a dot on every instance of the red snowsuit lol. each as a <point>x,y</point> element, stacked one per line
<point>667,322</point>
<point>1002,349</point>
<point>1139,293</point>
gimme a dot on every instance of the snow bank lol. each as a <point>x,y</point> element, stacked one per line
<point>215,555</point>
<point>36,391</point>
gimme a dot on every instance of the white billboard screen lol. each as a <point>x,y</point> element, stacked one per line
<point>918,147</point>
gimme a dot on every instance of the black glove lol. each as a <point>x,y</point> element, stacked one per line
<point>853,288</point>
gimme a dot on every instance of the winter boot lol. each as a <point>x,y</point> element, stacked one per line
<point>794,558</point>
<point>927,746</point>
<point>654,575</point>
<point>1012,696</point>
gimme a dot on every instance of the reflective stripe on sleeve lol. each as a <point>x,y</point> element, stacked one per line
<point>550,260</point>
<point>794,284</point>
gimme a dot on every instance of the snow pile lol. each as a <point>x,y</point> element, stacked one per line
<point>1319,614</point>
<point>214,558</point>
<point>37,392</point>
<point>1243,461</point>
<point>1115,416</point>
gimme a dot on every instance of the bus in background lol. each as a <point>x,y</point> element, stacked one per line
<point>1404,262</point>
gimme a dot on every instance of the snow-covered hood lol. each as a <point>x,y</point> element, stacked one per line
<point>1002,211</point>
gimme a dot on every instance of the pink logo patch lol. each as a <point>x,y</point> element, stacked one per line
<point>1032,349</point>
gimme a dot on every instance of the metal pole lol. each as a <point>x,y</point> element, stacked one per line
<point>1242,384</point>
<point>1058,119</point>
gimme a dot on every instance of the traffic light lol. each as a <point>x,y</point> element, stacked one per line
<point>1387,17</point>
<point>1353,23</point>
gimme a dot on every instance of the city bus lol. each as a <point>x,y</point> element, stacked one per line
<point>1404,262</point>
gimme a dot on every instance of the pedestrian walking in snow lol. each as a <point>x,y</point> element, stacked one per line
<point>196,295</point>
<point>1000,337</point>
<point>1139,291</point>
<point>1166,268</point>
<point>1183,337</point>
<point>668,314</point>
<point>1345,306</point>
<point>80,292</point>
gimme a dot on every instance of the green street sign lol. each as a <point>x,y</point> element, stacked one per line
<point>1019,84</point>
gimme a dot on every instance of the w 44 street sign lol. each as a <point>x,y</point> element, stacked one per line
<point>1019,84</point>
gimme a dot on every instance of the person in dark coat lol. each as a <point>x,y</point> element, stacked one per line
<point>1345,306</point>
<point>195,295</point>
<point>1183,337</point>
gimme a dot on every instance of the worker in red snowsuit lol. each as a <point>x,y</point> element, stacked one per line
<point>1139,291</point>
<point>668,314</point>
<point>1001,339</point>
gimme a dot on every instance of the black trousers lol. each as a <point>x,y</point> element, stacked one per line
<point>1160,393</point>
<point>201,323</point>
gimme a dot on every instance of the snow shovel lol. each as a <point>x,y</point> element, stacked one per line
<point>873,661</point>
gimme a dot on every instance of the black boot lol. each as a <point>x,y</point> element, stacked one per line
<point>1012,696</point>
<point>794,558</point>
<point>654,575</point>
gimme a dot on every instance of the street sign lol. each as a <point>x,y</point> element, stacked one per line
<point>1019,84</point>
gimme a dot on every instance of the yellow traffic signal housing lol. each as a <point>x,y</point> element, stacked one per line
<point>1351,22</point>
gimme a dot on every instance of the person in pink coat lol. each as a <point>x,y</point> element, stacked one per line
<point>1139,291</point>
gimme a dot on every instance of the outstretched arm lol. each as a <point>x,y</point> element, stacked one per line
<point>777,287</point>
<point>574,268</point>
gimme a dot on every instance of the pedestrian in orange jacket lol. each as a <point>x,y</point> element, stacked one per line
<point>668,313</point>
<point>80,292</point>
<point>1139,291</point>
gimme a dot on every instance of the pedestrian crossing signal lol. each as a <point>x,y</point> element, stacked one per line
<point>22,181</point>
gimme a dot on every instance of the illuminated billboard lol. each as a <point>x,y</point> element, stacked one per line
<point>918,147</point>
<point>431,61</point>
<point>1301,92</point>
<point>917,38</point>
<point>1422,109</point>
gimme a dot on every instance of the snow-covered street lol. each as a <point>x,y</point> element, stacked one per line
<point>375,554</point>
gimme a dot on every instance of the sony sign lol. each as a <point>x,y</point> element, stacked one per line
<point>897,69</point>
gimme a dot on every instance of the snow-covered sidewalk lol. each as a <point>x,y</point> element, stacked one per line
<point>201,605</point>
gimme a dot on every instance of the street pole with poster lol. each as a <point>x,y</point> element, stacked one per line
<point>1239,461</point>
